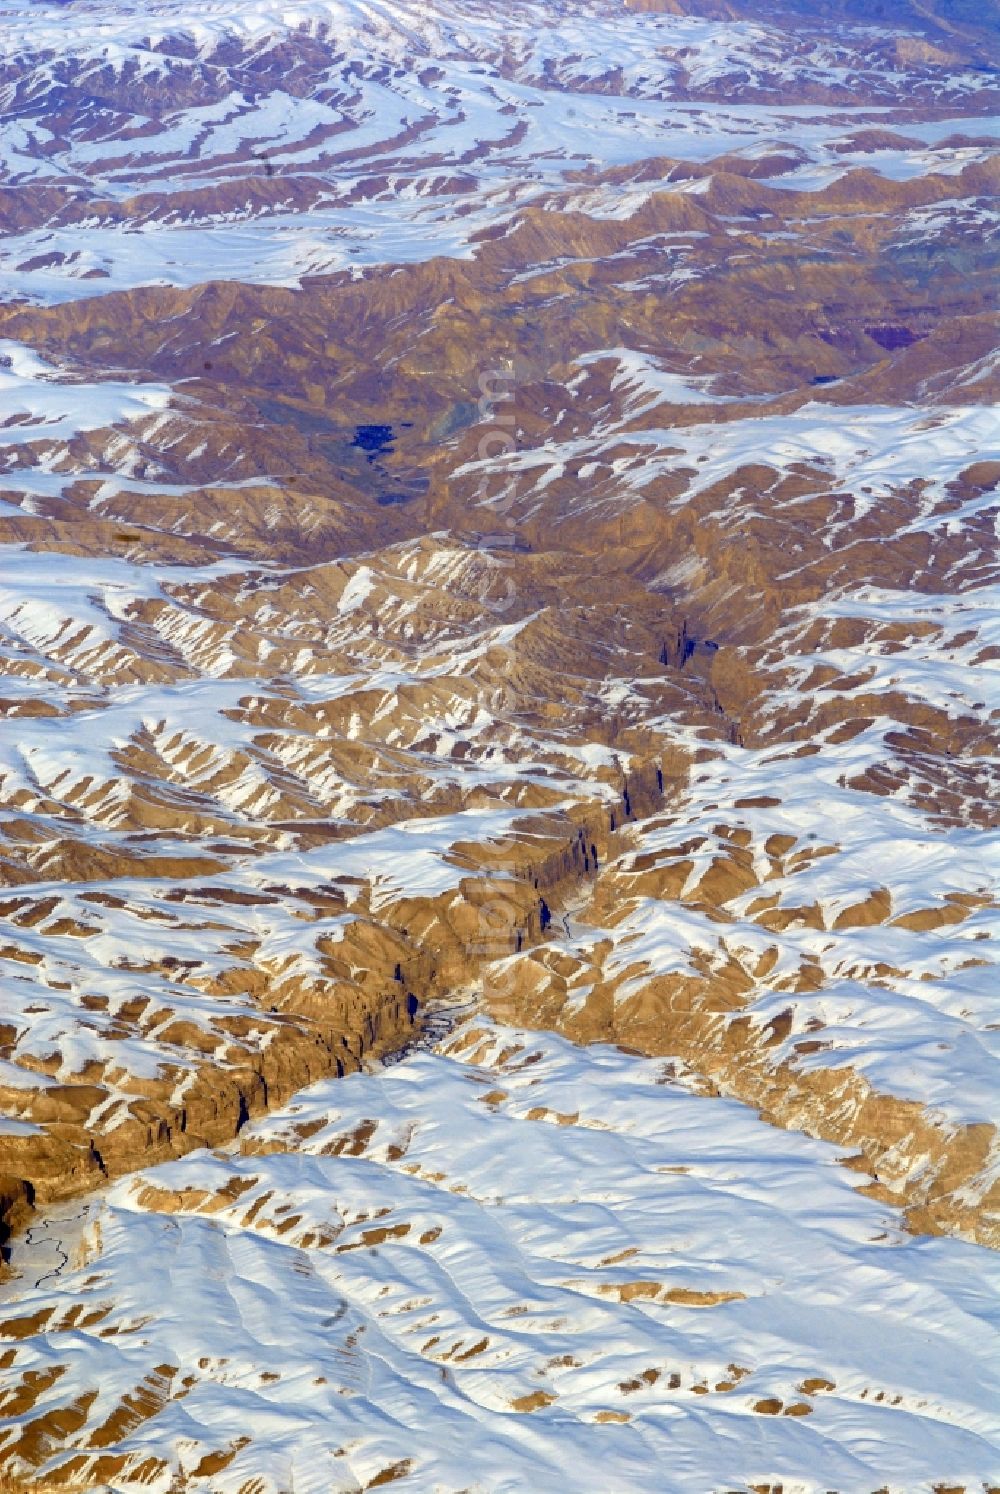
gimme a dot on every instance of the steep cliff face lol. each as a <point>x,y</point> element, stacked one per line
<point>498,515</point>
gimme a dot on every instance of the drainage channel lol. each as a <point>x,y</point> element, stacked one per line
<point>50,1243</point>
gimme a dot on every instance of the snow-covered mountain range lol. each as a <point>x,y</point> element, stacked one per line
<point>498,659</point>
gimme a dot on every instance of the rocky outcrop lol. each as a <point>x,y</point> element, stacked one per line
<point>358,621</point>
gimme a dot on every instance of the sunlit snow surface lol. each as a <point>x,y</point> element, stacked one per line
<point>37,402</point>
<point>505,1264</point>
<point>398,156</point>
<point>513,1264</point>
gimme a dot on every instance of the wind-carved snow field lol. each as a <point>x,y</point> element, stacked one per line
<point>915,1016</point>
<point>867,451</point>
<point>712,722</point>
<point>367,151</point>
<point>38,402</point>
<point>510,1263</point>
<point>391,1274</point>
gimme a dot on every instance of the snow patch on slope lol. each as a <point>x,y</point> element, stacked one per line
<point>510,1257</point>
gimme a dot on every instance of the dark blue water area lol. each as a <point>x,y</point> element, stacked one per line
<point>373,439</point>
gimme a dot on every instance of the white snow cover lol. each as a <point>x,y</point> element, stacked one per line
<point>509,1263</point>
<point>866,451</point>
<point>926,1026</point>
<point>38,401</point>
<point>402,158</point>
<point>506,1263</point>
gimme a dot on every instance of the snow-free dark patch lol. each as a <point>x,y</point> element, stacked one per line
<point>374,439</point>
<point>892,338</point>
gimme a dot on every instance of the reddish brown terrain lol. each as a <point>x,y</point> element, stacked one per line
<point>499,524</point>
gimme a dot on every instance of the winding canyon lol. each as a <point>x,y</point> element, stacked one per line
<point>498,759</point>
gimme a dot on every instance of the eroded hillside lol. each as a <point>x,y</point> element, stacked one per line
<point>498,513</point>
